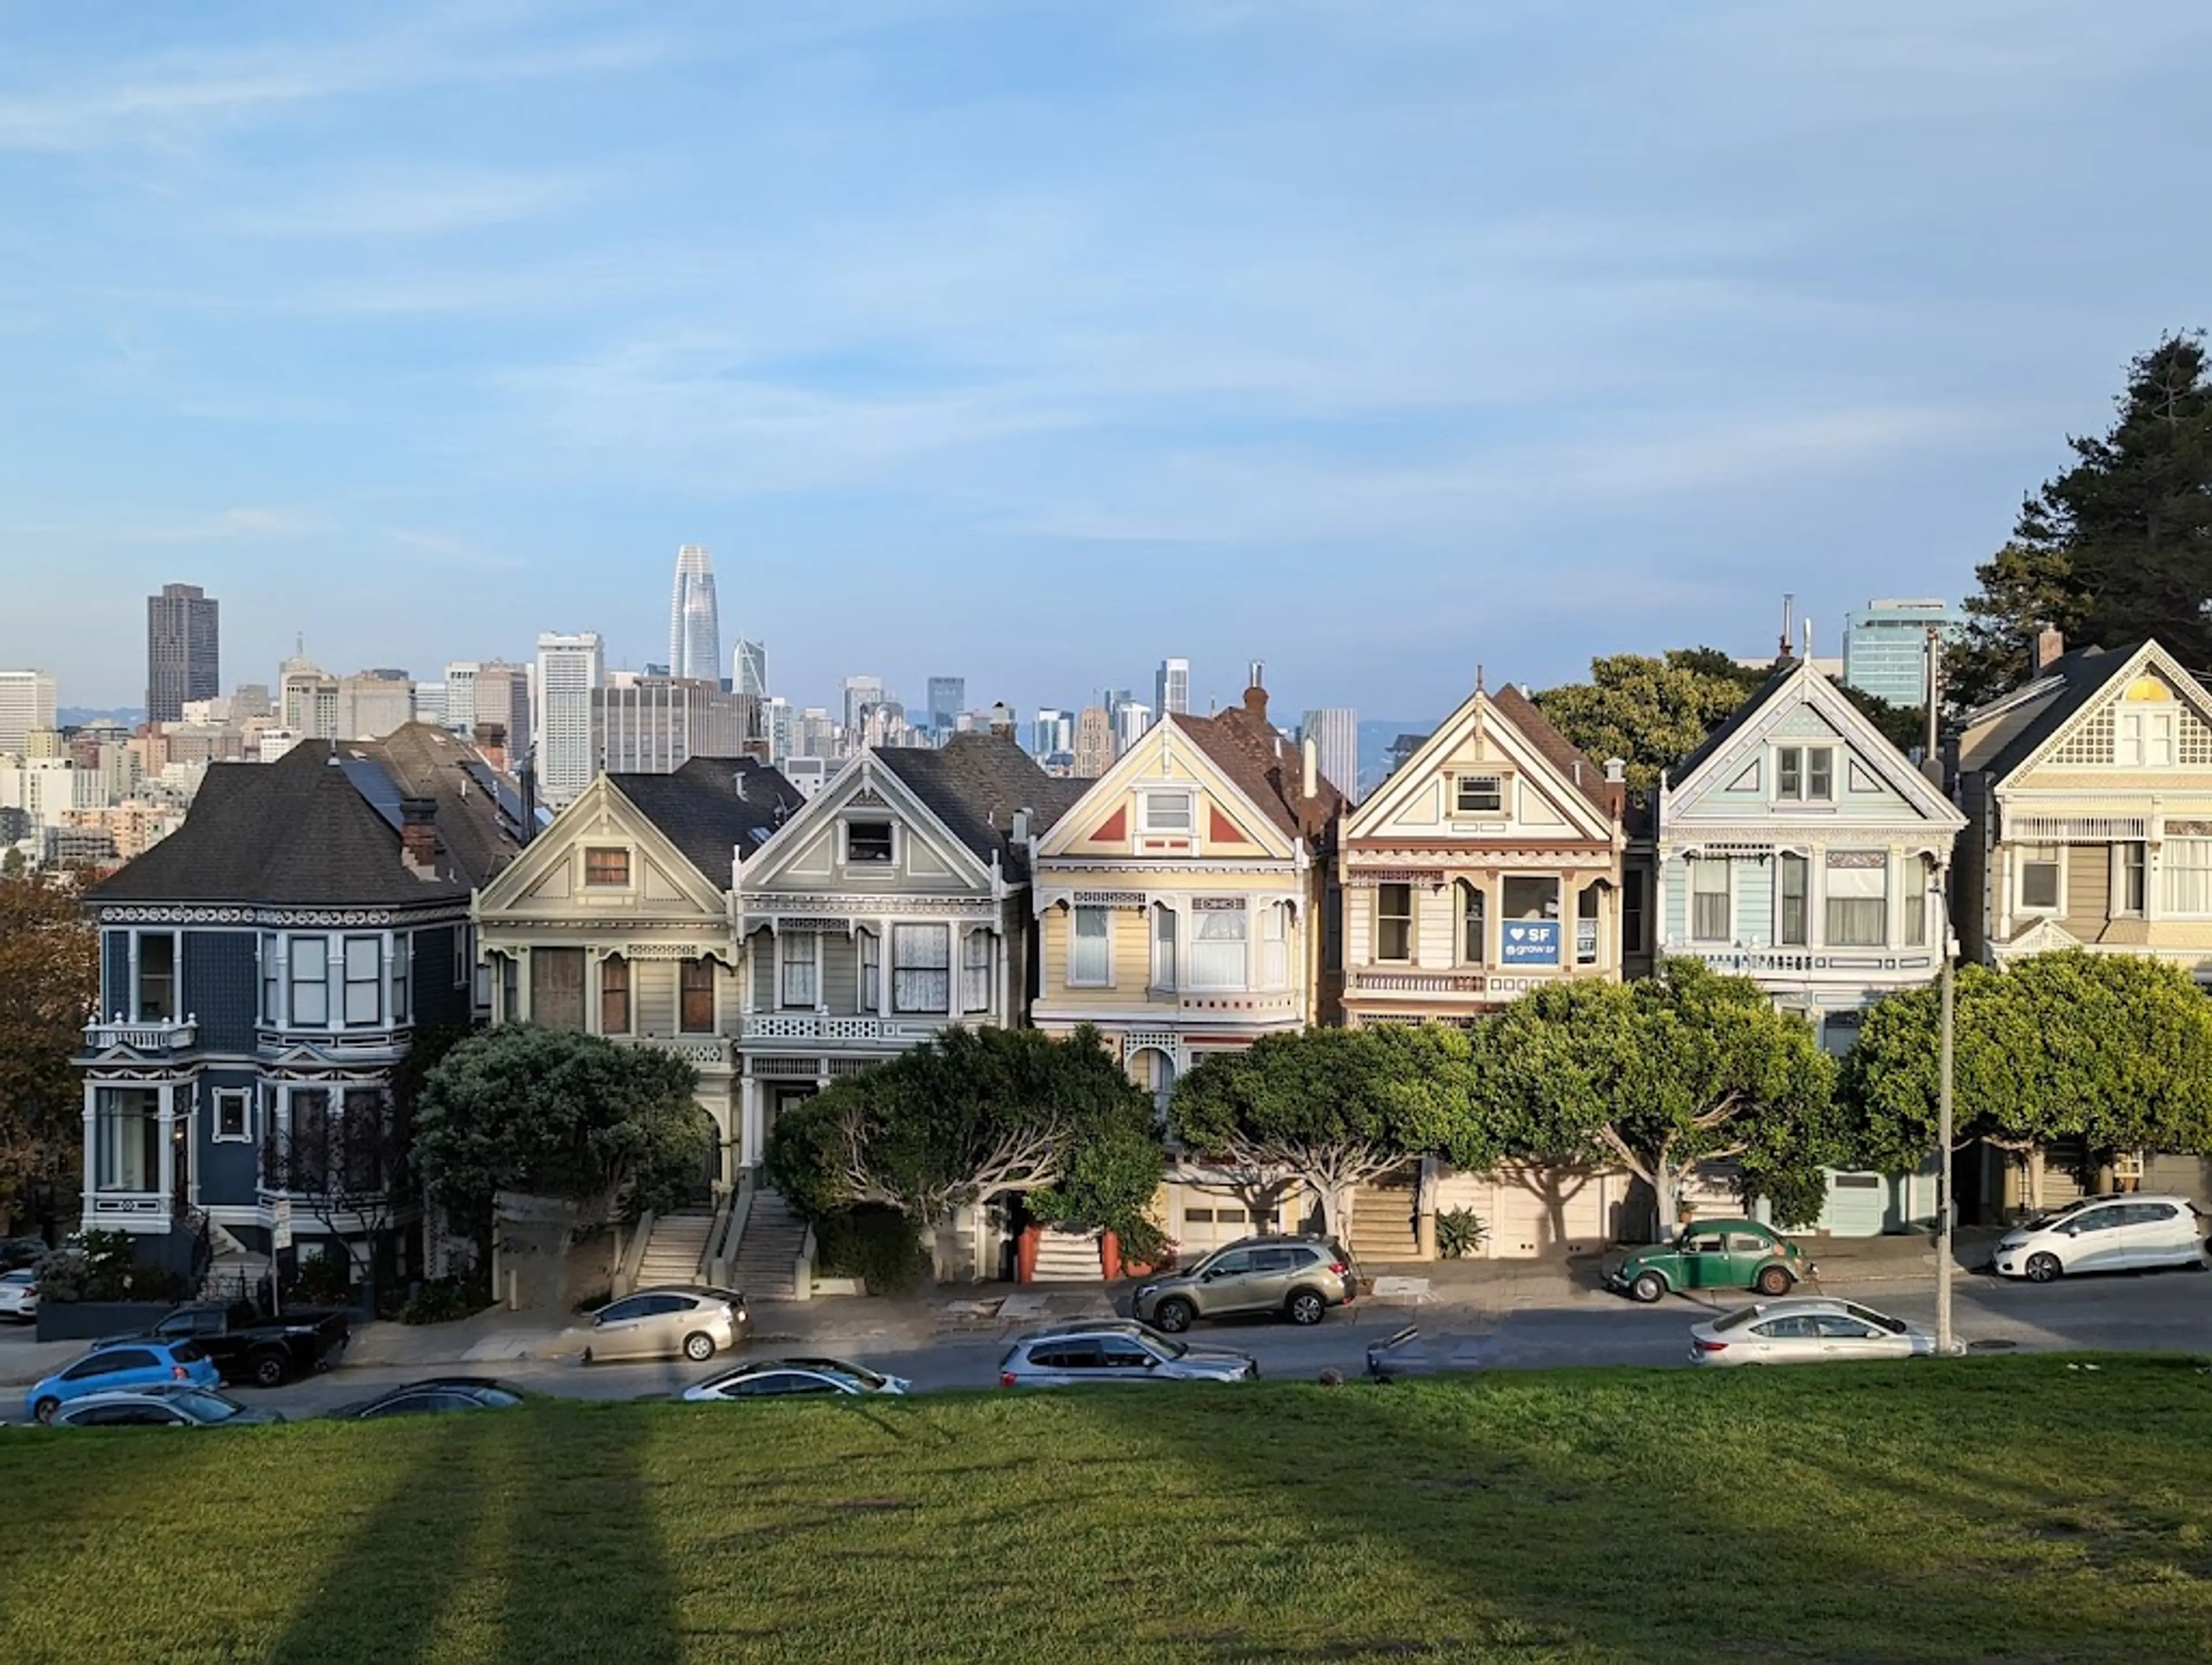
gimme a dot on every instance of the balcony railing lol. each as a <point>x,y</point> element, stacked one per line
<point>831,1030</point>
<point>1419,982</point>
<point>377,1045</point>
<point>702,1051</point>
<point>1240,1002</point>
<point>154,1035</point>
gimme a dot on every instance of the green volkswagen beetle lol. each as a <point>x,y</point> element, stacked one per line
<point>1713,1254</point>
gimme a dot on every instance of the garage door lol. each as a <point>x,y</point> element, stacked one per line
<point>1857,1204</point>
<point>1211,1218</point>
<point>1537,1212</point>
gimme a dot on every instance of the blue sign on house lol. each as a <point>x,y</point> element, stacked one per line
<point>1531,942</point>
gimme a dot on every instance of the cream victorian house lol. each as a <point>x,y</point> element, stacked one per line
<point>1179,901</point>
<point>2087,794</point>
<point>616,920</point>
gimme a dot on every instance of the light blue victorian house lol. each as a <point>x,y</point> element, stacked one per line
<point>1799,847</point>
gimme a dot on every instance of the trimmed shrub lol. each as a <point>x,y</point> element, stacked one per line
<point>877,1245</point>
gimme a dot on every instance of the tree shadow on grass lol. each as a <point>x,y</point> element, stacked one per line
<point>1590,1517</point>
<point>403,1559</point>
<point>588,1576</point>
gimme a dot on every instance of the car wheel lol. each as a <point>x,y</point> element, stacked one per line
<point>698,1347</point>
<point>45,1409</point>
<point>1649,1287</point>
<point>1174,1316</point>
<point>1306,1308</point>
<point>2042,1268</point>
<point>1774,1280</point>
<point>269,1370</point>
<point>587,1358</point>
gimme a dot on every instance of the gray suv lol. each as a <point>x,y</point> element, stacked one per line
<point>1115,1349</point>
<point>1301,1278</point>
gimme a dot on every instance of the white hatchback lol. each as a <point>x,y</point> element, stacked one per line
<point>19,1294</point>
<point>2104,1234</point>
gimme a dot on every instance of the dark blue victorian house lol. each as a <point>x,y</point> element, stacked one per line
<point>264,972</point>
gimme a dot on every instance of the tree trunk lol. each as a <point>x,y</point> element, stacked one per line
<point>1666,1187</point>
<point>1336,1214</point>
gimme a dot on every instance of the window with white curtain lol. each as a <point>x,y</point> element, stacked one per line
<point>1859,899</point>
<point>1090,963</point>
<point>795,963</point>
<point>1793,890</point>
<point>1163,945</point>
<point>1709,899</point>
<point>2186,864</point>
<point>978,952</point>
<point>1275,945</point>
<point>1217,939</point>
<point>921,969</point>
<point>871,971</point>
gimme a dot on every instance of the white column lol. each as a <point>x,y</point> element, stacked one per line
<point>165,1152</point>
<point>750,1139</point>
<point>91,1145</point>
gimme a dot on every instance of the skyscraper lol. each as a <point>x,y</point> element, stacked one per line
<point>1094,741</point>
<point>461,697</point>
<point>860,693</point>
<point>569,666</point>
<point>27,702</point>
<point>1131,719</point>
<point>1334,731</point>
<point>1172,688</point>
<point>1886,647</point>
<point>182,657</point>
<point>947,696</point>
<point>1051,732</point>
<point>749,668</point>
<point>500,694</point>
<point>694,629</point>
<point>655,725</point>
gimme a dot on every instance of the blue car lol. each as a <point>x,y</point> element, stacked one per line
<point>130,1363</point>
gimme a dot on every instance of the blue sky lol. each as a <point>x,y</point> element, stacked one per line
<point>1031,342</point>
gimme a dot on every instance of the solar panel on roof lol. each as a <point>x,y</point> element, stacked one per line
<point>379,790</point>
<point>500,792</point>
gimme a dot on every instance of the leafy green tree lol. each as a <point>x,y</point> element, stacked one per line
<point>2119,547</point>
<point>2111,1050</point>
<point>1325,1108</point>
<point>1904,726</point>
<point>553,1113</point>
<point>1651,713</point>
<point>49,983</point>
<point>966,1116</point>
<point>1682,1067</point>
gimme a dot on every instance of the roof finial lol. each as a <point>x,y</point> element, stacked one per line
<point>1477,676</point>
<point>1787,599</point>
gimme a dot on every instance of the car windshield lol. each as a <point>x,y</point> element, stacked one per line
<point>24,1277</point>
<point>2054,1216</point>
<point>206,1407</point>
<point>497,1398</point>
<point>1880,1320</point>
<point>1737,1319</point>
<point>187,1352</point>
<point>1166,1346</point>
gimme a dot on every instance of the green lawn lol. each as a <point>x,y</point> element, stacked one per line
<point>1990,1508</point>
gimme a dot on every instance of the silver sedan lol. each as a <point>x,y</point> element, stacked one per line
<point>1115,1349</point>
<point>667,1323</point>
<point>1806,1329</point>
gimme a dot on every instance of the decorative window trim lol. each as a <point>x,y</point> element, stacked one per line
<point>239,1099</point>
<point>2036,855</point>
<point>1076,914</point>
<point>1502,786</point>
<point>612,865</point>
<point>1185,796</point>
<point>1413,921</point>
<point>889,859</point>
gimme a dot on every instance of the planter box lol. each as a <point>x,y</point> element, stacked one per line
<point>88,1321</point>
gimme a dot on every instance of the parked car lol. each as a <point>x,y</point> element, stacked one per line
<point>165,1405</point>
<point>135,1362</point>
<point>265,1352</point>
<point>17,1252</point>
<point>668,1323</point>
<point>2104,1234</point>
<point>1410,1353</point>
<point>432,1396</point>
<point>19,1295</point>
<point>1807,1329</point>
<point>1713,1254</point>
<point>783,1378</point>
<point>1301,1278</point>
<point>1068,1355</point>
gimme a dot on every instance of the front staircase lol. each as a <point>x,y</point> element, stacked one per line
<point>768,1253</point>
<point>1067,1257</point>
<point>1383,1227</point>
<point>678,1245</point>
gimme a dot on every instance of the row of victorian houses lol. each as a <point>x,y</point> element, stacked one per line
<point>264,969</point>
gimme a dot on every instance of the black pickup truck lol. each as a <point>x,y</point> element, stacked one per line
<point>265,1351</point>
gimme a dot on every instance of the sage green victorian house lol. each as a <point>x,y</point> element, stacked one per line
<point>1798,848</point>
<point>614,919</point>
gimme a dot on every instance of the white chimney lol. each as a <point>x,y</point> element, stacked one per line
<point>1312,779</point>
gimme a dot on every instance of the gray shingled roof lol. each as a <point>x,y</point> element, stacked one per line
<point>974,783</point>
<point>2083,674</point>
<point>303,831</point>
<point>713,808</point>
<point>1734,723</point>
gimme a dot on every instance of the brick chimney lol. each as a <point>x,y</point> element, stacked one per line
<point>1255,703</point>
<point>418,836</point>
<point>2050,645</point>
<point>1002,721</point>
<point>492,740</point>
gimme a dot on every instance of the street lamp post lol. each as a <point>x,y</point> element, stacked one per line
<point>1945,1209</point>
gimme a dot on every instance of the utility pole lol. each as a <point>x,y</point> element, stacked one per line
<point>1932,765</point>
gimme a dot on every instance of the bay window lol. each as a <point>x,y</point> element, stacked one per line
<point>2038,878</point>
<point>921,969</point>
<point>1915,905</point>
<point>1792,905</point>
<point>157,1001</point>
<point>403,979</point>
<point>272,980</point>
<point>2130,870</point>
<point>871,971</point>
<point>126,1139</point>
<point>1586,922</point>
<point>1859,899</point>
<point>364,982</point>
<point>1164,946</point>
<point>1528,921</point>
<point>1275,945</point>
<point>556,988</point>
<point>794,955</point>
<point>1218,956</point>
<point>2185,875</point>
<point>1709,899</point>
<point>978,950</point>
<point>1090,960</point>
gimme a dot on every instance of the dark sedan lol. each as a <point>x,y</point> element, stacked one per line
<point>439,1393</point>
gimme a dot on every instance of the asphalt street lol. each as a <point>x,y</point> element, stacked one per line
<point>2123,1312</point>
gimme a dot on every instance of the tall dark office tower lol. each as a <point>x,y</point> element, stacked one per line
<point>181,655</point>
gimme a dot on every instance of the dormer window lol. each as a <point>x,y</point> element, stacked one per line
<point>1164,812</point>
<point>867,843</point>
<point>606,869</point>
<point>1480,794</point>
<point>1805,774</point>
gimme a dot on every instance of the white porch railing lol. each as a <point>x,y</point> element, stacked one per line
<point>161,1035</point>
<point>702,1051</point>
<point>831,1030</point>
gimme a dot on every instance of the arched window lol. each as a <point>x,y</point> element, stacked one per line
<point>1472,922</point>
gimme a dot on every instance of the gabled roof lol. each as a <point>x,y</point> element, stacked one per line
<point>1268,768</point>
<point>713,808</point>
<point>1575,766</point>
<point>974,783</point>
<point>1734,723</point>
<point>319,827</point>
<point>2075,679</point>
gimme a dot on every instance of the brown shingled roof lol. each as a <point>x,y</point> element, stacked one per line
<point>1266,767</point>
<point>1585,776</point>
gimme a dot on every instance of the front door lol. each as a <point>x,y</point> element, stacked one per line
<point>180,1163</point>
<point>1704,1260</point>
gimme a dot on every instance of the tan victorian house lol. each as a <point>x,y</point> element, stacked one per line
<point>1487,865</point>
<point>615,921</point>
<point>1180,901</point>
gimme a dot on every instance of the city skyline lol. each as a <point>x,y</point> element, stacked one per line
<point>1618,334</point>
